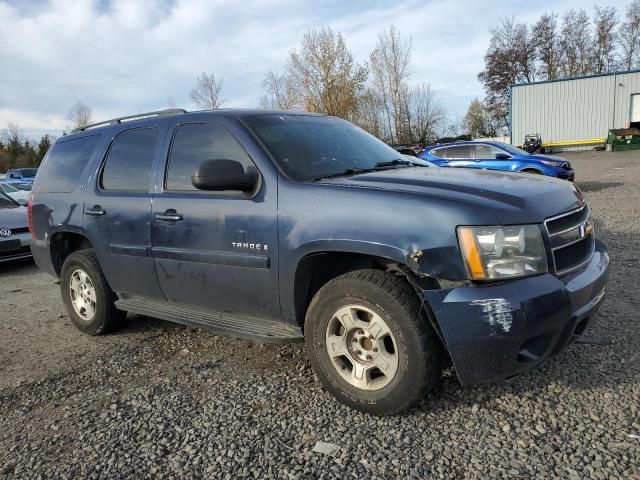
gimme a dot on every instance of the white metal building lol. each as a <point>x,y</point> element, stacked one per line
<point>575,109</point>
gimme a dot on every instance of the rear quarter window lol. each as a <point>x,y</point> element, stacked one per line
<point>61,170</point>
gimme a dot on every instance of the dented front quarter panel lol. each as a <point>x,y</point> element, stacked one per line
<point>412,230</point>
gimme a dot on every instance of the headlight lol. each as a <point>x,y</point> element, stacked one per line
<point>553,163</point>
<point>493,253</point>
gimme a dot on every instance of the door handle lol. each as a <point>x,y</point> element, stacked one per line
<point>95,211</point>
<point>168,216</point>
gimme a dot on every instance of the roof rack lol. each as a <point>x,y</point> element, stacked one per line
<point>139,116</point>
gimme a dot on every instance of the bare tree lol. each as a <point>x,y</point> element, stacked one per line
<point>576,43</point>
<point>605,22</point>
<point>390,69</point>
<point>545,37</point>
<point>629,35</point>
<point>80,115</point>
<point>324,74</point>
<point>171,102</point>
<point>281,93</point>
<point>370,114</point>
<point>207,93</point>
<point>425,114</point>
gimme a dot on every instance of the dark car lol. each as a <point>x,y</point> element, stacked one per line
<point>497,156</point>
<point>283,226</point>
<point>15,239</point>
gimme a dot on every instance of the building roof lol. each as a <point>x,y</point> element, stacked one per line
<point>620,72</point>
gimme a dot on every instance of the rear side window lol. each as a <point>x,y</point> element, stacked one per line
<point>194,144</point>
<point>128,163</point>
<point>61,170</point>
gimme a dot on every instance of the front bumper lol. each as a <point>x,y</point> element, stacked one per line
<point>15,247</point>
<point>497,331</point>
<point>567,175</point>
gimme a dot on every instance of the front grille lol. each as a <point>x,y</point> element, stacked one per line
<point>572,255</point>
<point>565,222</point>
<point>571,240</point>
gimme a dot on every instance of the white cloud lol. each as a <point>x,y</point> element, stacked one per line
<point>122,56</point>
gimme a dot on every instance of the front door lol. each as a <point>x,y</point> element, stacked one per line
<point>117,214</point>
<point>215,251</point>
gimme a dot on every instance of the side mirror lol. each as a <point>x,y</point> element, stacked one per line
<point>502,156</point>
<point>22,202</point>
<point>219,175</point>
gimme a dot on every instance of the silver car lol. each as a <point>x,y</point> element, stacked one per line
<point>19,196</point>
<point>15,239</point>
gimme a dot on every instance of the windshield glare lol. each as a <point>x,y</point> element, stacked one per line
<point>8,188</point>
<point>310,147</point>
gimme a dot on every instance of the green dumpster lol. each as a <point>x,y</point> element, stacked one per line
<point>624,139</point>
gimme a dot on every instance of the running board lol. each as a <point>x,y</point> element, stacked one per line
<point>248,327</point>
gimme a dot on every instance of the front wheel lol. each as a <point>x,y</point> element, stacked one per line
<point>369,344</point>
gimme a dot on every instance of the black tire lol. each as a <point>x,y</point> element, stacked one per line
<point>106,317</point>
<point>419,352</point>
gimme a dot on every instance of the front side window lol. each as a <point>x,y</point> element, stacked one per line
<point>196,143</point>
<point>128,163</point>
<point>484,151</point>
<point>307,147</point>
<point>462,152</point>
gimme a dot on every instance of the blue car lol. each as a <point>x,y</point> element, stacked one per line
<point>497,156</point>
<point>21,175</point>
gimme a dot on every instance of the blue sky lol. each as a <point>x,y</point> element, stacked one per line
<point>124,57</point>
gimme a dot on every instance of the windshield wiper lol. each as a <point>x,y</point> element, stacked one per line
<point>393,163</point>
<point>348,171</point>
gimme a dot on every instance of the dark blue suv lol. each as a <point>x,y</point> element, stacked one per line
<point>283,226</point>
<point>497,156</point>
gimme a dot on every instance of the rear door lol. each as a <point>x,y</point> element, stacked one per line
<point>215,251</point>
<point>118,214</point>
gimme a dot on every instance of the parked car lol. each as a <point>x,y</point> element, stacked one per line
<point>19,196</point>
<point>15,239</point>
<point>21,175</point>
<point>497,156</point>
<point>283,226</point>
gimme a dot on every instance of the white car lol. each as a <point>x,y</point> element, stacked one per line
<point>20,196</point>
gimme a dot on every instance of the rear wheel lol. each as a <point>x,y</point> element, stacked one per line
<point>369,344</point>
<point>87,296</point>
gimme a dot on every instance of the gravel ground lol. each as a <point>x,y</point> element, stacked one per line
<point>158,400</point>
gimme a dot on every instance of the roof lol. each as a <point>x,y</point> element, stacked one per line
<point>583,77</point>
<point>465,142</point>
<point>147,116</point>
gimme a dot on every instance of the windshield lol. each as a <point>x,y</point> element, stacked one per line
<point>23,186</point>
<point>308,147</point>
<point>6,201</point>
<point>5,187</point>
<point>511,149</point>
<point>28,172</point>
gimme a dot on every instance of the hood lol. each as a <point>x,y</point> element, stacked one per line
<point>513,197</point>
<point>13,217</point>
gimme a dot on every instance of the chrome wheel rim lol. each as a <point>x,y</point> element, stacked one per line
<point>83,295</point>
<point>362,347</point>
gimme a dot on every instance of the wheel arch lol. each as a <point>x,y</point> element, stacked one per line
<point>64,243</point>
<point>317,268</point>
